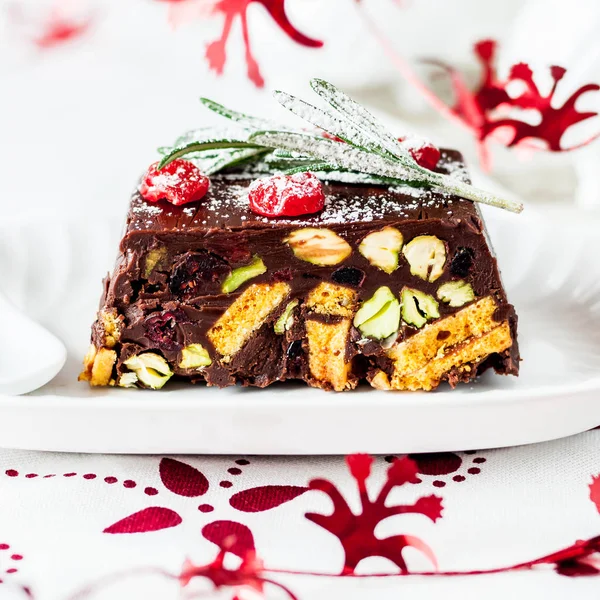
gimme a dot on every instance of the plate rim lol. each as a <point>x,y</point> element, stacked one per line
<point>232,395</point>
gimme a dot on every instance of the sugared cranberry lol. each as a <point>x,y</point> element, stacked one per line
<point>161,329</point>
<point>198,273</point>
<point>286,195</point>
<point>462,262</point>
<point>424,152</point>
<point>179,182</point>
<point>348,276</point>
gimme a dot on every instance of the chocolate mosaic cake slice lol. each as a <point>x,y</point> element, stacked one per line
<point>395,286</point>
<point>353,276</point>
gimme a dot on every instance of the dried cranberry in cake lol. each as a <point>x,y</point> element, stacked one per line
<point>286,195</point>
<point>349,276</point>
<point>462,262</point>
<point>197,274</point>
<point>161,329</point>
<point>285,274</point>
<point>179,182</point>
<point>424,152</point>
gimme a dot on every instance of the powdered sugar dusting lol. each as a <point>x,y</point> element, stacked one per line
<point>366,208</point>
<point>145,213</point>
<point>453,168</point>
<point>413,142</point>
<point>359,201</point>
<point>147,209</point>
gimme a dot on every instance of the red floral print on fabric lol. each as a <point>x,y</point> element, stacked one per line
<point>436,467</point>
<point>581,559</point>
<point>231,10</point>
<point>109,479</point>
<point>60,25</point>
<point>9,561</point>
<point>250,574</point>
<point>153,518</point>
<point>60,29</point>
<point>231,536</point>
<point>595,491</point>
<point>489,109</point>
<point>185,480</point>
<point>357,532</point>
<point>265,497</point>
<point>182,479</point>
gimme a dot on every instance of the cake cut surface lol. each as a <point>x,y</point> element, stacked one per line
<point>394,286</point>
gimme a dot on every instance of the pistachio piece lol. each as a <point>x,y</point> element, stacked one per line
<point>240,275</point>
<point>456,293</point>
<point>426,255</point>
<point>127,380</point>
<point>153,258</point>
<point>381,248</point>
<point>194,356</point>
<point>286,320</point>
<point>321,247</point>
<point>418,307</point>
<point>379,317</point>
<point>151,369</point>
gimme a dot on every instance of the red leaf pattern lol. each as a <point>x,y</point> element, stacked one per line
<point>479,109</point>
<point>487,110</point>
<point>182,479</point>
<point>59,30</point>
<point>265,497</point>
<point>356,532</point>
<point>153,518</point>
<point>236,10</point>
<point>595,491</point>
<point>231,536</point>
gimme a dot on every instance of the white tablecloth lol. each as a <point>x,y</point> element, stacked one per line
<point>70,520</point>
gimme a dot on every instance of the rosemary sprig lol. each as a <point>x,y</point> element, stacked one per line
<point>206,145</point>
<point>359,116</point>
<point>226,160</point>
<point>242,119</point>
<point>325,121</point>
<point>345,156</point>
<point>367,147</point>
<point>313,167</point>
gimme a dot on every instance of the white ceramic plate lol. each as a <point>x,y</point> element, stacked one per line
<point>52,269</point>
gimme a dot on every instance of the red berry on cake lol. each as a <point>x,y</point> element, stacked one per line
<point>179,182</point>
<point>286,195</point>
<point>424,152</point>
